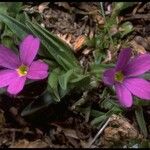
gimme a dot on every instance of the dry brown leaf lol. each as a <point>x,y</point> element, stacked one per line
<point>70,133</point>
<point>79,43</point>
<point>99,19</point>
<point>136,8</point>
<point>91,34</point>
<point>142,41</point>
<point>86,51</point>
<point>119,130</point>
<point>73,142</point>
<point>42,7</point>
<point>67,131</point>
<point>88,8</point>
<point>137,48</point>
<point>66,38</point>
<point>27,144</point>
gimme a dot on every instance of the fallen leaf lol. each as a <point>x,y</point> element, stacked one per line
<point>119,130</point>
<point>142,41</point>
<point>137,48</point>
<point>66,38</point>
<point>43,6</point>
<point>68,132</point>
<point>99,19</point>
<point>79,43</point>
<point>86,51</point>
<point>27,144</point>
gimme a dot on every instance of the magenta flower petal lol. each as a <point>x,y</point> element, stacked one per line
<point>138,87</point>
<point>16,85</point>
<point>6,76</point>
<point>108,76</point>
<point>8,58</point>
<point>123,59</point>
<point>38,70</point>
<point>138,65</point>
<point>28,49</point>
<point>124,95</point>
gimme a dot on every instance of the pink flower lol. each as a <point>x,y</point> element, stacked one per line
<point>16,69</point>
<point>126,77</point>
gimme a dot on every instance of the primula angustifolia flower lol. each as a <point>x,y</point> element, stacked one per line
<point>126,77</point>
<point>16,69</point>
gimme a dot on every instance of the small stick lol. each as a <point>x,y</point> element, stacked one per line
<point>99,132</point>
<point>15,130</point>
<point>13,137</point>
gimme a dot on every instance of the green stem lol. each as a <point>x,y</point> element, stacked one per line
<point>141,121</point>
<point>103,14</point>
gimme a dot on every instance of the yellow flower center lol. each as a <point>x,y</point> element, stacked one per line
<point>22,70</point>
<point>119,77</point>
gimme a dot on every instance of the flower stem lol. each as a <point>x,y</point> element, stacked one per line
<point>103,14</point>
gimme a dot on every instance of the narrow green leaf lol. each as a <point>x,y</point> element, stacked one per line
<point>140,119</point>
<point>126,28</point>
<point>96,113</point>
<point>100,68</point>
<point>16,27</point>
<point>55,47</point>
<point>53,83</point>
<point>64,79</point>
<point>66,63</point>
<point>61,52</point>
<point>98,119</point>
<point>81,81</point>
<point>79,77</point>
<point>7,41</point>
<point>64,47</point>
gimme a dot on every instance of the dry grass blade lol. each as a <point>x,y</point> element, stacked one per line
<point>99,132</point>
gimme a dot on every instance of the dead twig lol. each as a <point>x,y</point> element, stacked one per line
<point>99,132</point>
<point>15,130</point>
<point>138,16</point>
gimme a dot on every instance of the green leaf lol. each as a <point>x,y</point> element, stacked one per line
<point>98,120</point>
<point>78,78</point>
<point>126,28</point>
<point>64,79</point>
<point>53,83</point>
<point>96,113</point>
<point>3,7</point>
<point>22,18</point>
<point>120,6</point>
<point>141,121</point>
<point>80,81</point>
<point>16,27</point>
<point>10,8</point>
<point>98,69</point>
<point>14,8</point>
<point>7,41</point>
<point>65,62</point>
<point>61,52</point>
<point>139,102</point>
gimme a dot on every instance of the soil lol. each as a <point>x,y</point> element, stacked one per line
<point>60,126</point>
